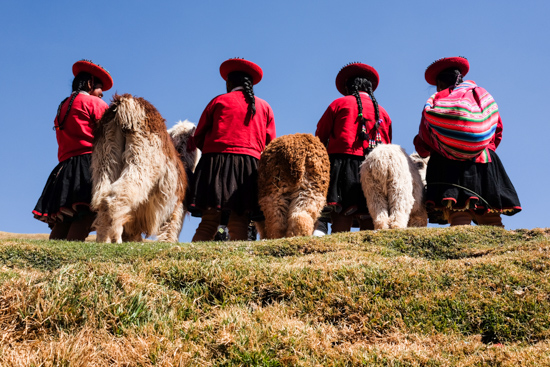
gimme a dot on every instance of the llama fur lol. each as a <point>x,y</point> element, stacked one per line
<point>181,134</point>
<point>293,179</point>
<point>393,184</point>
<point>139,180</point>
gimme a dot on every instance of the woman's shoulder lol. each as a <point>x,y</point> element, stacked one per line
<point>90,100</point>
<point>344,100</point>
<point>261,101</point>
<point>383,111</point>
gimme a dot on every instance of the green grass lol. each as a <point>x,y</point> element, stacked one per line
<point>416,297</point>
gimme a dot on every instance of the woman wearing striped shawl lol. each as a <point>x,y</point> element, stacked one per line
<point>460,131</point>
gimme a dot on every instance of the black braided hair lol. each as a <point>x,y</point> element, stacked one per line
<point>80,83</point>
<point>241,79</point>
<point>450,77</point>
<point>355,85</point>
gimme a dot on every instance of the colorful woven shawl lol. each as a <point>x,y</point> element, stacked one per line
<point>462,122</point>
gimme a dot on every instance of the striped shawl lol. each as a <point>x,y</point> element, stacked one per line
<point>461,123</point>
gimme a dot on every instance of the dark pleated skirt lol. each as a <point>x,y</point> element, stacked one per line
<point>68,191</point>
<point>226,182</point>
<point>466,185</point>
<point>345,194</point>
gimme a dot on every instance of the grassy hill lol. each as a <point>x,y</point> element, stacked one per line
<point>470,296</point>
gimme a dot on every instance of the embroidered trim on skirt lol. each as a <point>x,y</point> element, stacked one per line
<point>345,194</point>
<point>466,185</point>
<point>226,182</point>
<point>68,191</point>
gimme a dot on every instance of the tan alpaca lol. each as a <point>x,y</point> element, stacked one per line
<point>393,184</point>
<point>138,178</point>
<point>293,179</point>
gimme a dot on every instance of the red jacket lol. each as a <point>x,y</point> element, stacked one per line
<point>224,126</point>
<point>77,134</point>
<point>339,126</point>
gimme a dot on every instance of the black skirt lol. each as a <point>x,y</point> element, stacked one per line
<point>68,191</point>
<point>466,185</point>
<point>225,182</point>
<point>345,194</point>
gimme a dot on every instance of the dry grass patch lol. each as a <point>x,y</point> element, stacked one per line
<point>419,297</point>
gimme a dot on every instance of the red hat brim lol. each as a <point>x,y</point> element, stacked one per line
<point>436,67</point>
<point>355,70</point>
<point>243,65</point>
<point>96,70</point>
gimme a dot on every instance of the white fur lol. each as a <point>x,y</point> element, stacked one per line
<point>138,180</point>
<point>393,185</point>
<point>180,134</point>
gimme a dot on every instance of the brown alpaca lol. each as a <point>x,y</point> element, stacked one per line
<point>138,178</point>
<point>293,179</point>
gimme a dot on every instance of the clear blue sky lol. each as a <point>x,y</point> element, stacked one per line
<point>169,52</point>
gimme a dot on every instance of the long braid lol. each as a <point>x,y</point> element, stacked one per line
<point>355,92</point>
<point>374,103</point>
<point>355,85</point>
<point>249,94</point>
<point>62,123</point>
<point>241,79</point>
<point>80,83</point>
<point>373,142</point>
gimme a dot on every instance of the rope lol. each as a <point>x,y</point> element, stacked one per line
<point>463,188</point>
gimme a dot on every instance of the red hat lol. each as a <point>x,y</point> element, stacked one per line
<point>96,70</point>
<point>243,65</point>
<point>355,69</point>
<point>436,67</point>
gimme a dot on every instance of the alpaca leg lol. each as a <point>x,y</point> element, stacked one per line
<point>136,181</point>
<point>275,211</point>
<point>102,225</point>
<point>300,223</point>
<point>377,202</point>
<point>303,211</point>
<point>400,202</point>
<point>378,208</point>
<point>418,218</point>
<point>260,227</point>
<point>119,216</point>
<point>170,230</point>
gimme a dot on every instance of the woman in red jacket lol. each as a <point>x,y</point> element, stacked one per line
<point>232,132</point>
<point>65,200</point>
<point>350,127</point>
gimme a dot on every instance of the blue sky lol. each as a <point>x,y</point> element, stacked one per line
<point>169,52</point>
